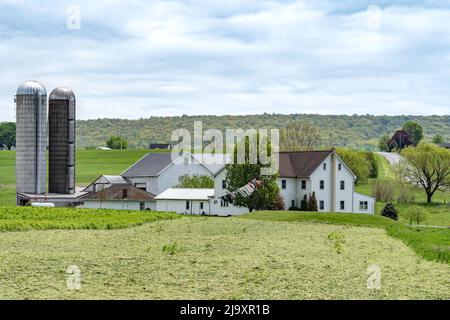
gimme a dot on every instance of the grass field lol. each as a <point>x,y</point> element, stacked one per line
<point>430,243</point>
<point>215,258</point>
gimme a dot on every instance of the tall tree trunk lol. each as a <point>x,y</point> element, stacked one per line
<point>429,196</point>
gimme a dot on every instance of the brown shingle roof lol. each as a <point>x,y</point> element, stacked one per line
<point>302,163</point>
<point>120,193</point>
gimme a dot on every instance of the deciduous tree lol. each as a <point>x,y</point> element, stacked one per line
<point>427,166</point>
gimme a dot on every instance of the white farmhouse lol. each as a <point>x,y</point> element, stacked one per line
<point>301,174</point>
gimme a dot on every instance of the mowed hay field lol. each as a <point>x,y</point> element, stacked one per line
<point>215,258</point>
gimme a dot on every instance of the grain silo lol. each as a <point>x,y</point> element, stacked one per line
<point>31,138</point>
<point>61,149</point>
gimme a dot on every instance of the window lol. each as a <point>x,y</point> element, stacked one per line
<point>363,205</point>
<point>322,205</point>
<point>224,184</point>
<point>322,184</point>
<point>342,205</point>
<point>342,185</point>
<point>141,205</point>
<point>339,167</point>
<point>201,205</point>
<point>283,184</point>
<point>142,186</point>
<point>124,193</point>
<point>293,203</point>
<point>324,166</point>
<point>303,184</point>
<point>188,205</point>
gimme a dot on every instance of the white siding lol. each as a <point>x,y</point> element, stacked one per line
<point>345,195</point>
<point>290,193</point>
<point>357,198</point>
<point>118,205</point>
<point>179,206</point>
<point>325,194</point>
<point>216,208</point>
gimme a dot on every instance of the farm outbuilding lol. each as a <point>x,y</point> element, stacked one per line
<point>187,201</point>
<point>120,197</point>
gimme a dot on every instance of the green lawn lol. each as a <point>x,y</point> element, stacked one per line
<point>216,258</point>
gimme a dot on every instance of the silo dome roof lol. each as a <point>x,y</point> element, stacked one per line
<point>62,93</point>
<point>31,87</point>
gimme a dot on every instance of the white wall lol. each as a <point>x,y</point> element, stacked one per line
<point>345,195</point>
<point>118,205</point>
<point>179,206</point>
<point>357,198</point>
<point>290,193</point>
<point>216,208</point>
<point>325,194</point>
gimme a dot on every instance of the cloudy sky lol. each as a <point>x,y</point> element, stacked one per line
<point>145,58</point>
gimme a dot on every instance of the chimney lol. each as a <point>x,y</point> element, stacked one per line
<point>333,179</point>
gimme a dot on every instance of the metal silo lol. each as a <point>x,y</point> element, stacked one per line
<point>31,138</point>
<point>61,122</point>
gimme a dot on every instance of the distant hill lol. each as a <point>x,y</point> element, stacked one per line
<point>357,131</point>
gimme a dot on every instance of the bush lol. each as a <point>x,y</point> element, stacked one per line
<point>389,211</point>
<point>171,248</point>
<point>294,208</point>
<point>304,204</point>
<point>313,202</point>
<point>278,203</point>
<point>405,192</point>
<point>373,165</point>
<point>383,190</point>
<point>416,214</point>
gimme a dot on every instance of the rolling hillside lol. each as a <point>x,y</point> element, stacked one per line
<point>351,131</point>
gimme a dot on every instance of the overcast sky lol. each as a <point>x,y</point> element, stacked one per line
<point>132,59</point>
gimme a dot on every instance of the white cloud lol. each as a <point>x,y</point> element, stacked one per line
<point>231,57</point>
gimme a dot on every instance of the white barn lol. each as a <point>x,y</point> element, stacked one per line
<point>157,172</point>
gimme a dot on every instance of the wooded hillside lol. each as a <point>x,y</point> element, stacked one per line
<point>360,132</point>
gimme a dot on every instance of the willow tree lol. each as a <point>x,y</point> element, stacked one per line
<point>427,166</point>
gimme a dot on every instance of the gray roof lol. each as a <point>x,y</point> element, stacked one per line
<point>150,165</point>
<point>31,87</point>
<point>62,93</point>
